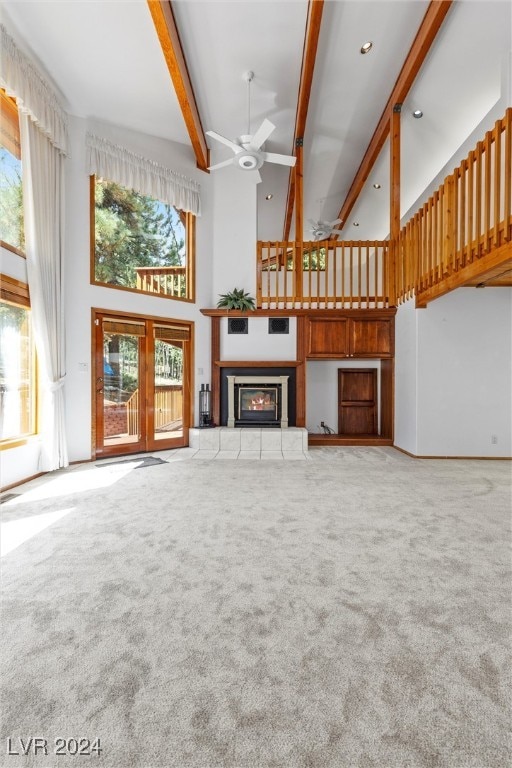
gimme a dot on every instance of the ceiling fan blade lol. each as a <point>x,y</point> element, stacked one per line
<point>271,157</point>
<point>221,165</point>
<point>255,176</point>
<point>231,144</point>
<point>333,223</point>
<point>262,134</point>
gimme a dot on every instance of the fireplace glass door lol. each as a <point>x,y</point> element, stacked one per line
<point>258,403</point>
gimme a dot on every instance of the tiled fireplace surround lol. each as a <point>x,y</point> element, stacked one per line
<point>251,442</point>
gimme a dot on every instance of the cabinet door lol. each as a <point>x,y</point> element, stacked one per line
<point>371,338</point>
<point>328,338</point>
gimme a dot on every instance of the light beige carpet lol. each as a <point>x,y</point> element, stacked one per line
<point>349,611</point>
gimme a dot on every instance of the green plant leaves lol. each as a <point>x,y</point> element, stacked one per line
<point>236,299</point>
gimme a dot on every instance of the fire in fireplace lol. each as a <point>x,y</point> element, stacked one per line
<point>259,404</point>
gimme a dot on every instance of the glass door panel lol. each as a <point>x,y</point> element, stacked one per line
<point>120,391</point>
<point>168,390</point>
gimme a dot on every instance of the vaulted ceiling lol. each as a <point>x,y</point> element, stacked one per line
<point>107,60</point>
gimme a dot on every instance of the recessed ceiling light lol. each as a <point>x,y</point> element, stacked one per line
<point>269,197</point>
<point>376,185</point>
<point>366,47</point>
<point>356,223</point>
<point>417,114</point>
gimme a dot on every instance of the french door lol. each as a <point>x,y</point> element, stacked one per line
<point>142,386</point>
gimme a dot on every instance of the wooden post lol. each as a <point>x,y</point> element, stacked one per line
<point>299,222</point>
<point>394,197</point>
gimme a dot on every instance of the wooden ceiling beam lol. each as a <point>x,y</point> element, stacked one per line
<point>168,35</point>
<point>313,23</point>
<point>430,26</point>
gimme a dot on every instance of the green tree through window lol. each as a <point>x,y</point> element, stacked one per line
<point>140,243</point>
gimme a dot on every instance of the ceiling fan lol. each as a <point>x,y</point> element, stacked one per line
<point>248,149</point>
<point>322,230</point>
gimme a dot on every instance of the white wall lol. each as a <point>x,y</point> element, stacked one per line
<point>257,344</point>
<point>322,390</point>
<point>81,296</point>
<point>233,245</point>
<point>456,356</point>
<point>406,363</point>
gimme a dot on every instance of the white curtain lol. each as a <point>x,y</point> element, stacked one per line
<point>43,134</point>
<point>115,163</point>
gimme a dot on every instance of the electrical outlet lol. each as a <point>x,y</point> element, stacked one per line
<point>83,367</point>
<point>494,439</point>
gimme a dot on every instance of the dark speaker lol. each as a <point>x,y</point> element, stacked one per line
<point>279,325</point>
<point>238,325</point>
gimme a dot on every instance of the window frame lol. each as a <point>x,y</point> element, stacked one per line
<point>11,141</point>
<point>190,245</point>
<point>15,292</point>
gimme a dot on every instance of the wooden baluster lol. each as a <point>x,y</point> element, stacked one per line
<point>259,258</point>
<point>478,199</point>
<point>462,212</point>
<point>471,206</point>
<point>376,275</point>
<point>497,183</point>
<point>343,276</point>
<point>334,274</point>
<point>507,234</point>
<point>359,286</point>
<point>351,256</point>
<point>367,247</point>
<point>487,191</point>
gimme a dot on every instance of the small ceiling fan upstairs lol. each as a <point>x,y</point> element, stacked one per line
<point>248,149</point>
<point>322,230</point>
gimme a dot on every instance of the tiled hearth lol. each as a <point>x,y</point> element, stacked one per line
<point>249,443</point>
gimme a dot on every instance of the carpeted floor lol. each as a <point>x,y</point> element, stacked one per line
<point>351,611</point>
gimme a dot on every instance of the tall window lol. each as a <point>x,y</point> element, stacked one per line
<point>11,199</point>
<point>141,244</point>
<point>17,363</point>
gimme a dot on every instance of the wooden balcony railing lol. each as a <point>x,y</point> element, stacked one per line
<point>466,219</point>
<point>167,410</point>
<point>323,275</point>
<point>165,281</point>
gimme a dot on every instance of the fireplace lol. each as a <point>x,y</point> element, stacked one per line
<point>257,401</point>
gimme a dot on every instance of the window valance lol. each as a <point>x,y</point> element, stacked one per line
<point>115,163</point>
<point>34,95</point>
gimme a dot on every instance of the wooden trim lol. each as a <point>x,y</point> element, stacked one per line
<point>311,37</point>
<point>168,35</point>
<point>215,372</point>
<point>432,21</point>
<point>9,124</point>
<point>387,400</point>
<point>394,196</point>
<point>459,279</point>
<point>13,249</point>
<point>257,363</point>
<point>14,291</point>
<point>324,313</point>
<point>467,458</point>
<point>4,488</point>
<point>316,439</point>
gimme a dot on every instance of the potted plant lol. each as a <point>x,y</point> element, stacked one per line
<point>236,299</point>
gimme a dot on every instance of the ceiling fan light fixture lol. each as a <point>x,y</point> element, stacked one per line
<point>249,161</point>
<point>366,47</point>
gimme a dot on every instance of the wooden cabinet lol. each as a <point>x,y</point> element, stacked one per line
<point>346,336</point>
